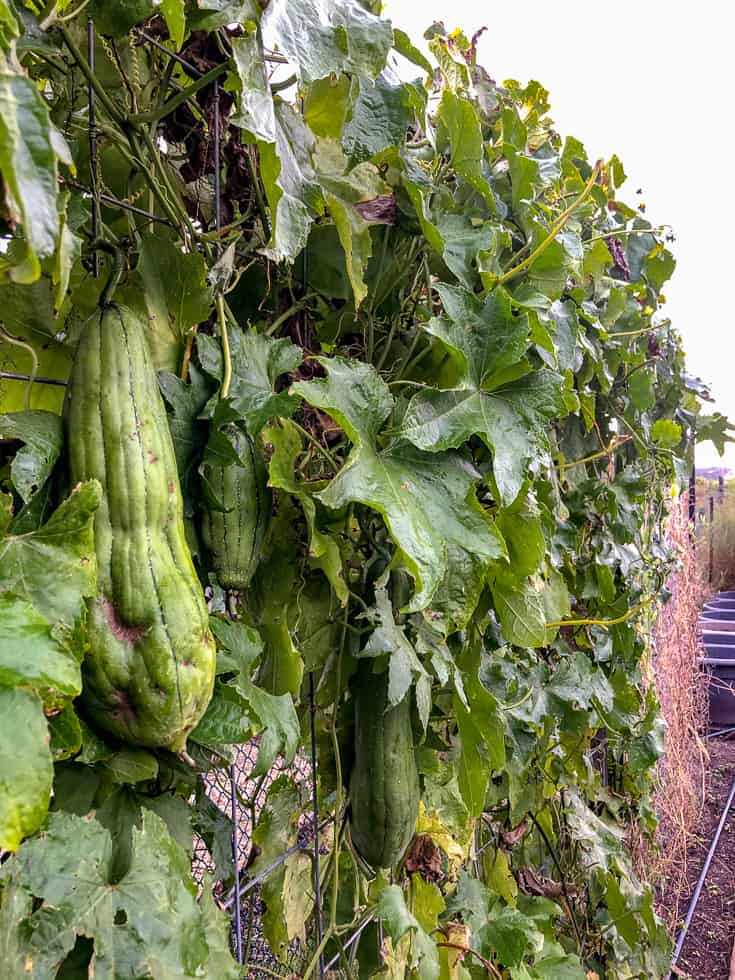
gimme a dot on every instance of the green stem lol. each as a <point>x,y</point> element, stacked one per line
<point>603,622</point>
<point>272,327</point>
<point>615,444</point>
<point>225,340</point>
<point>260,200</point>
<point>317,953</point>
<point>557,864</point>
<point>623,232</point>
<point>99,90</point>
<point>637,333</point>
<point>154,115</point>
<point>316,444</point>
<point>259,968</point>
<point>555,229</point>
<point>17,342</point>
<point>338,768</point>
<point>286,83</point>
<point>387,344</point>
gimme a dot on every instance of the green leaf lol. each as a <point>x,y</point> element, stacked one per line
<point>31,656</point>
<point>512,420</point>
<point>116,19</point>
<point>9,29</point>
<point>173,12</point>
<point>666,433</point>
<point>500,878</point>
<point>641,389</point>
<point>6,511</point>
<point>287,891</point>
<point>277,722</point>
<point>172,295</point>
<point>132,765</point>
<point>521,612</point>
<point>498,397</point>
<point>348,195</point>
<point>65,732</point>
<point>459,131</point>
<point>147,923</point>
<point>523,533</point>
<point>226,720</point>
<point>255,110</point>
<point>26,768</point>
<point>509,934</point>
<point>428,903</point>
<point>257,364</point>
<point>28,164</point>
<point>427,501</point>
<point>212,14</point>
<point>274,714</point>
<point>186,402</point>
<point>458,238</point>
<point>404,667</point>
<point>55,567</point>
<point>481,735</point>
<point>290,183</point>
<point>327,105</point>
<point>398,921</point>
<point>43,436</point>
<point>404,46</point>
<point>559,968</point>
<point>714,428</point>
<point>379,119</point>
<point>68,250</point>
<point>484,337</point>
<point>350,39</point>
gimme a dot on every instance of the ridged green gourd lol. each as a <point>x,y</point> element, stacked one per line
<point>234,536</point>
<point>384,785</point>
<point>149,672</point>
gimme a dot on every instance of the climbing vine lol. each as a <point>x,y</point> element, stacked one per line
<point>444,331</point>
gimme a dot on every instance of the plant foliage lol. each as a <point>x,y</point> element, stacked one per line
<point>443,330</point>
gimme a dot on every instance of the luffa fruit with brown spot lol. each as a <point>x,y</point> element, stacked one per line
<point>149,673</point>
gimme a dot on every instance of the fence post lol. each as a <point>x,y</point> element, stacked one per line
<point>711,537</point>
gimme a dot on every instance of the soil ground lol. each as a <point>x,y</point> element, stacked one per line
<point>709,942</point>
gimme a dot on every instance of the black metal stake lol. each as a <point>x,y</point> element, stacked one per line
<point>92,136</point>
<point>315,804</point>
<point>14,376</point>
<point>233,776</point>
<point>711,538</point>
<point>235,860</point>
<point>312,709</point>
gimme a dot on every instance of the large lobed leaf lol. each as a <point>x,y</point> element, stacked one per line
<point>146,923</point>
<point>427,500</point>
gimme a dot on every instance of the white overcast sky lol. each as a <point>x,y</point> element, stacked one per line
<point>653,82</point>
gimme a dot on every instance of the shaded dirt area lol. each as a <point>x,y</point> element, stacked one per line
<point>707,949</point>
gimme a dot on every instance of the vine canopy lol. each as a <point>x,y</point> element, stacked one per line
<point>445,332</point>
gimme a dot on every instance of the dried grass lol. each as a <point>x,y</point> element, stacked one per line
<point>681,688</point>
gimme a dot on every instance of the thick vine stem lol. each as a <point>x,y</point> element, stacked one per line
<point>225,341</point>
<point>118,258</point>
<point>555,228</point>
<point>603,622</point>
<point>184,95</point>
